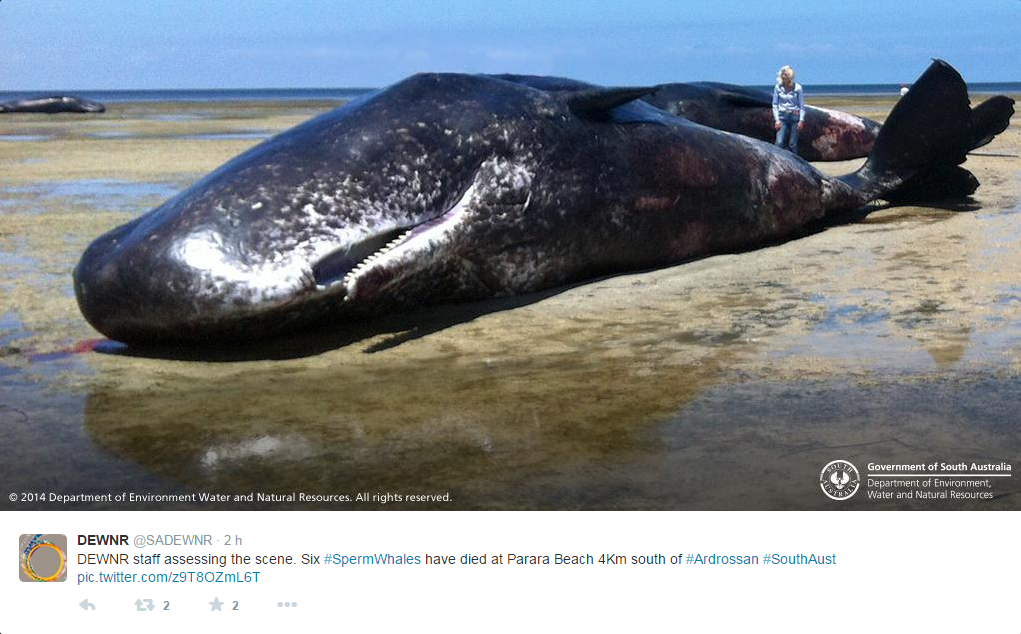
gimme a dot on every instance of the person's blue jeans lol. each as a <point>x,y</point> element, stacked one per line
<point>787,135</point>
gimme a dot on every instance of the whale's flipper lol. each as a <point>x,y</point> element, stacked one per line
<point>990,118</point>
<point>929,130</point>
<point>597,102</point>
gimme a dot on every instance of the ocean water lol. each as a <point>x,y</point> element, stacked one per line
<point>247,94</point>
<point>334,94</point>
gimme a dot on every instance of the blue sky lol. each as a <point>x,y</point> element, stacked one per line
<point>106,44</point>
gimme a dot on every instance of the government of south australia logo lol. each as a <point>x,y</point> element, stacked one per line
<point>839,480</point>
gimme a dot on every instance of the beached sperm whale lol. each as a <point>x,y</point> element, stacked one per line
<point>53,105</point>
<point>447,188</point>
<point>828,135</point>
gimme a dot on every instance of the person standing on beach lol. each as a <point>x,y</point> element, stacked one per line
<point>788,109</point>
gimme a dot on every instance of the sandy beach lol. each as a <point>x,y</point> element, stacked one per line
<point>725,383</point>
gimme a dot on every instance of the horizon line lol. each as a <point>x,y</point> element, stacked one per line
<point>326,88</point>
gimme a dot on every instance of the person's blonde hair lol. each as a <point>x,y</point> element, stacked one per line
<point>780,74</point>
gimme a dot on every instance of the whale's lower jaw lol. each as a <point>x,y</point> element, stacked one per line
<point>228,330</point>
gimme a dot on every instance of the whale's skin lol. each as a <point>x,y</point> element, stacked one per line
<point>827,135</point>
<point>479,186</point>
<point>55,104</point>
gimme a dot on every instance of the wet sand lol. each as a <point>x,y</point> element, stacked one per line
<point>725,383</point>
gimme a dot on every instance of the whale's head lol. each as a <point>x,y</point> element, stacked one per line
<point>87,105</point>
<point>383,201</point>
<point>78,104</point>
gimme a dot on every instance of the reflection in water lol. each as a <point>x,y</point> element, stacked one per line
<point>47,450</point>
<point>950,346</point>
<point>547,432</point>
<point>555,433</point>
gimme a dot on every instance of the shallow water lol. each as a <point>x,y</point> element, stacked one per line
<point>549,434</point>
<point>106,194</point>
<point>243,135</point>
<point>179,117</point>
<point>723,383</point>
<point>23,137</point>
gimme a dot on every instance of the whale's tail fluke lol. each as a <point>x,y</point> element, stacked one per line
<point>924,140</point>
<point>990,118</point>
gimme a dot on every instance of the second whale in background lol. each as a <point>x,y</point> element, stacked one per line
<point>828,135</point>
<point>53,105</point>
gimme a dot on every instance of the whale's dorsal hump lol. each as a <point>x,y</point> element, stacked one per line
<point>744,100</point>
<point>597,102</point>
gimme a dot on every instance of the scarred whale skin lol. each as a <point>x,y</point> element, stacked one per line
<point>53,105</point>
<point>447,188</point>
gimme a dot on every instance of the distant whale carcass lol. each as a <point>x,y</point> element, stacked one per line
<point>448,188</point>
<point>53,105</point>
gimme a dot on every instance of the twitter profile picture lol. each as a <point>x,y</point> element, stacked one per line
<point>42,557</point>
<point>839,480</point>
